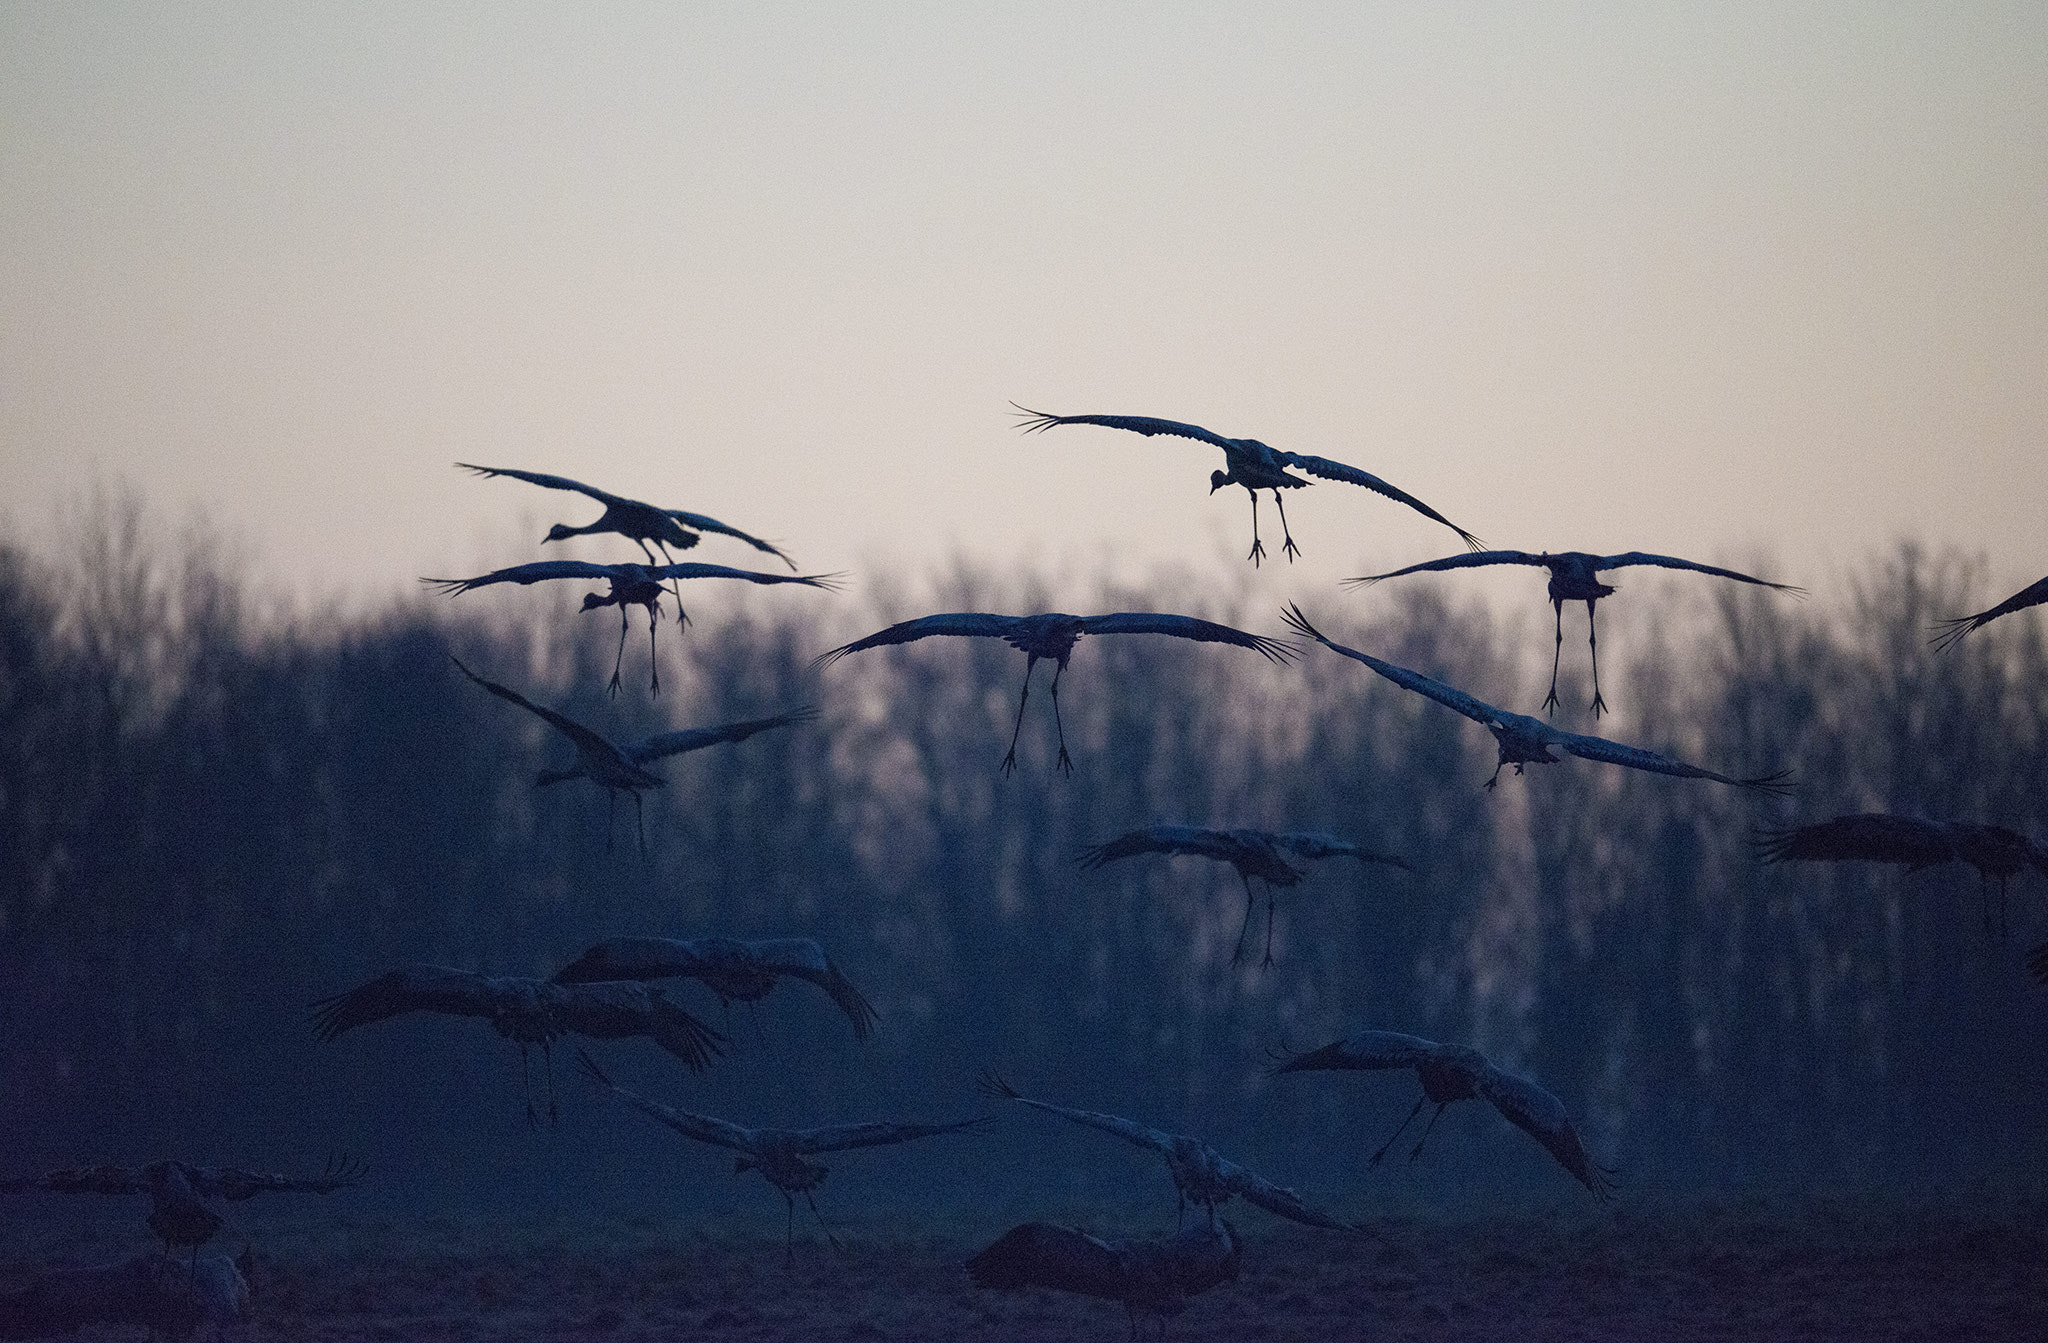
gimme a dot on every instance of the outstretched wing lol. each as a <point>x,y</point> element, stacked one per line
<point>704,524</point>
<point>1541,1115</point>
<point>1478,710</point>
<point>239,1185</point>
<point>1869,837</point>
<point>546,482</point>
<point>1638,557</point>
<point>803,958</point>
<point>703,1128</point>
<point>1314,846</point>
<point>957,622</point>
<point>1257,1189</point>
<point>829,582</point>
<point>1039,1254</point>
<point>620,1010</point>
<point>411,988</point>
<point>1471,561</point>
<point>540,571</point>
<point>636,958</point>
<point>82,1180</point>
<point>1635,757</point>
<point>1184,839</point>
<point>1037,421</point>
<point>1952,630</point>
<point>844,1137</point>
<point>697,738</point>
<point>560,722</point>
<point>992,1084</point>
<point>1367,1051</point>
<point>1188,627</point>
<point>1351,475</point>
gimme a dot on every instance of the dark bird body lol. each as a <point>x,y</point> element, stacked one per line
<point>177,1192</point>
<point>1575,577</point>
<point>736,971</point>
<point>1271,856</point>
<point>629,585</point>
<point>1253,465</point>
<point>1154,1277</point>
<point>1997,853</point>
<point>1052,636</point>
<point>1952,631</point>
<point>1452,1073</point>
<point>1529,741</point>
<point>1201,1175</point>
<point>527,1012</point>
<point>643,523</point>
<point>782,1156</point>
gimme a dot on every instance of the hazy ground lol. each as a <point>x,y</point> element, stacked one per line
<point>1842,1272</point>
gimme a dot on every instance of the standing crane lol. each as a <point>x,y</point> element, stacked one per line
<point>734,970</point>
<point>1200,1174</point>
<point>1574,577</point>
<point>1052,636</point>
<point>781,1155</point>
<point>527,1012</point>
<point>1452,1073</point>
<point>1528,741</point>
<point>631,585</point>
<point>1253,465</point>
<point>1154,1276</point>
<point>1952,631</point>
<point>616,769</point>
<point>1997,853</point>
<point>1268,855</point>
<point>643,523</point>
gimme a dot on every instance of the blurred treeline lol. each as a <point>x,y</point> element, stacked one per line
<point>209,817</point>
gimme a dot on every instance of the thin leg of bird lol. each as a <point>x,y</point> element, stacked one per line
<point>1375,1158</point>
<point>1288,547</point>
<point>1066,762</point>
<point>830,1239</point>
<point>1417,1153</point>
<point>526,1083</point>
<point>675,584</point>
<point>1246,926</point>
<point>653,663</point>
<point>1593,642</point>
<point>1258,551</point>
<point>1269,928</point>
<point>1556,655</point>
<point>640,814</point>
<point>1495,780</point>
<point>1010,759</point>
<point>620,660</point>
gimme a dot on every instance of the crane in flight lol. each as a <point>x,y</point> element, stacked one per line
<point>1997,853</point>
<point>1253,465</point>
<point>643,523</point>
<point>1528,741</point>
<point>1052,636</point>
<point>630,585</point>
<point>1153,1276</point>
<point>527,1012</point>
<point>736,971</point>
<point>1452,1073</point>
<point>783,1156</point>
<point>1268,855</point>
<point>1951,631</point>
<point>1200,1174</point>
<point>1574,577</point>
<point>616,769</point>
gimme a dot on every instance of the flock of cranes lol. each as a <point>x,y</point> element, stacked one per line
<point>614,989</point>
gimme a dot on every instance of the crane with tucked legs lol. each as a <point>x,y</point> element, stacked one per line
<point>646,524</point>
<point>736,971</point>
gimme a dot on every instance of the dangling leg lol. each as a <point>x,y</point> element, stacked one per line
<point>1269,927</point>
<point>653,662</point>
<point>1496,772</point>
<point>1593,642</point>
<point>675,585</point>
<point>526,1084</point>
<point>1288,547</point>
<point>1010,760</point>
<point>640,814</point>
<point>1375,1158</point>
<point>1441,1107</point>
<point>830,1239</point>
<point>1556,655</point>
<point>1246,926</point>
<point>620,660</point>
<point>1258,551</point>
<point>1066,762</point>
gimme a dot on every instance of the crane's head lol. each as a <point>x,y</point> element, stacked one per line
<point>593,600</point>
<point>561,531</point>
<point>1217,480</point>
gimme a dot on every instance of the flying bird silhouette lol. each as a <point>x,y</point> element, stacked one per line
<point>1052,636</point>
<point>1452,1073</point>
<point>1528,741</point>
<point>617,769</point>
<point>781,1155</point>
<point>1574,577</point>
<point>734,970</point>
<point>1253,465</point>
<point>1202,1176</point>
<point>527,1012</point>
<point>643,523</point>
<point>1268,855</point>
<point>1152,1277</point>
<point>631,585</point>
<point>1997,853</point>
<point>1952,631</point>
<point>177,1192</point>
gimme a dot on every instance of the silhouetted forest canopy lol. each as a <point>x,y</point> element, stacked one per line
<point>210,816</point>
